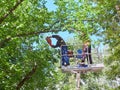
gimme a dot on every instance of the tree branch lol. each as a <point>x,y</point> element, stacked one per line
<point>27,77</point>
<point>6,40</point>
<point>10,11</point>
<point>34,33</point>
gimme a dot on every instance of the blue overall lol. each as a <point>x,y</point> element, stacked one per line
<point>65,57</point>
<point>79,56</point>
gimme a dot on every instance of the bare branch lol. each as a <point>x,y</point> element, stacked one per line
<point>10,11</point>
<point>27,77</point>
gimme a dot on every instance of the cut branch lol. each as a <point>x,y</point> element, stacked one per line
<point>10,11</point>
<point>27,77</point>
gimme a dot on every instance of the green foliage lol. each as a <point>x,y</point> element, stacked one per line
<point>111,35</point>
<point>19,35</point>
<point>22,43</point>
<point>108,20</point>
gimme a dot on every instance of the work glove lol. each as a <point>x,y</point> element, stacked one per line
<point>49,41</point>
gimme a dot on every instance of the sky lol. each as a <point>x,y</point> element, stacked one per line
<point>50,5</point>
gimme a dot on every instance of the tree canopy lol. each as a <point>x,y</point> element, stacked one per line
<point>26,60</point>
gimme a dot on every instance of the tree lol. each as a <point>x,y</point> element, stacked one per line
<point>26,59</point>
<point>21,62</point>
<point>108,21</point>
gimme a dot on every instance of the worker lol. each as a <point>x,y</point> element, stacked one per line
<point>87,52</point>
<point>62,45</point>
